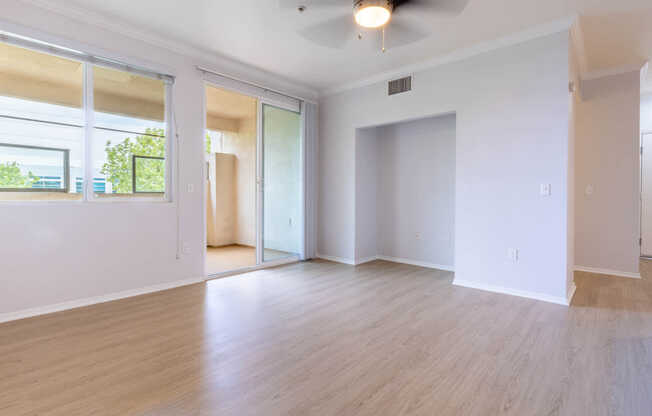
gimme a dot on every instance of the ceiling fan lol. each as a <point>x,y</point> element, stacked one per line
<point>396,20</point>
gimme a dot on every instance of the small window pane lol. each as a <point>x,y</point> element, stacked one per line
<point>27,168</point>
<point>148,174</point>
<point>24,145</point>
<point>115,154</point>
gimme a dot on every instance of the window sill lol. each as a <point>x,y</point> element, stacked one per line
<point>58,198</point>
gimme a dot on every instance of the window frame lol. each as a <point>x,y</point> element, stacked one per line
<point>133,173</point>
<point>66,169</point>
<point>88,61</point>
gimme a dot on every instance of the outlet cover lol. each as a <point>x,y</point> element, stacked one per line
<point>545,189</point>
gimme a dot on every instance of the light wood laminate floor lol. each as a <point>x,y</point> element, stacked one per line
<point>320,338</point>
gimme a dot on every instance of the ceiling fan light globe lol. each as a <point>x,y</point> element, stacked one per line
<point>372,14</point>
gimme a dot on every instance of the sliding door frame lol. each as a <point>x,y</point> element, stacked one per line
<point>261,100</point>
<point>260,150</point>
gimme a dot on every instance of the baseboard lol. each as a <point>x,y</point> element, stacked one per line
<point>365,260</point>
<point>417,263</point>
<point>571,292</point>
<point>513,292</point>
<point>616,273</point>
<point>78,303</point>
<point>336,259</point>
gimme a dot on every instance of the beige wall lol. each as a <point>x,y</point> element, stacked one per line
<point>221,200</point>
<point>607,177</point>
<point>217,123</point>
<point>243,145</point>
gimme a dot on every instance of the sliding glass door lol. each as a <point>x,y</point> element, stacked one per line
<point>254,211</point>
<point>281,183</point>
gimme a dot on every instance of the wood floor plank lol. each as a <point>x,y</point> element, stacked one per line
<point>319,338</point>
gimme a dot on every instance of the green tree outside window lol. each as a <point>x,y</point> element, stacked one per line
<point>150,174</point>
<point>118,166</point>
<point>11,177</point>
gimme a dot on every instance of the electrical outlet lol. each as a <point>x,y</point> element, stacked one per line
<point>185,248</point>
<point>545,189</point>
<point>191,188</point>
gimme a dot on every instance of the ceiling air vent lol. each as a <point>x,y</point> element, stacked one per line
<point>398,86</point>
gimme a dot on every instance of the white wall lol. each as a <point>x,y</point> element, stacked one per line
<point>512,110</point>
<point>405,191</point>
<point>367,171</point>
<point>417,191</point>
<point>646,112</point>
<point>59,252</point>
<point>607,160</point>
<point>574,102</point>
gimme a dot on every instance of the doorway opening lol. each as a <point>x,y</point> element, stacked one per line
<point>253,183</point>
<point>231,131</point>
<point>405,192</point>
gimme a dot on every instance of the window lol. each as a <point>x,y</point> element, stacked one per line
<point>129,137</point>
<point>214,141</point>
<point>74,130</point>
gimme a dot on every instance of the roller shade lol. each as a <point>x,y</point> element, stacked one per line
<point>56,76</point>
<point>35,76</point>
<point>267,95</point>
<point>127,94</point>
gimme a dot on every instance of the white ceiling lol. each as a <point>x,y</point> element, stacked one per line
<point>259,33</point>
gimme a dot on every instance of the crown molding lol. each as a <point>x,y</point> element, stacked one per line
<point>620,70</point>
<point>226,63</point>
<point>535,32</point>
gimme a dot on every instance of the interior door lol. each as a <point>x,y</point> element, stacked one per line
<point>646,195</point>
<point>281,183</point>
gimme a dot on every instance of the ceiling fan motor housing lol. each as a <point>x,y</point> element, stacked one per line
<point>361,4</point>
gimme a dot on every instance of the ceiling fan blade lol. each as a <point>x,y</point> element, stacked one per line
<point>310,4</point>
<point>398,34</point>
<point>446,7</point>
<point>333,33</point>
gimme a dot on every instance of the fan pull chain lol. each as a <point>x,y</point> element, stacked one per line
<point>383,40</point>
